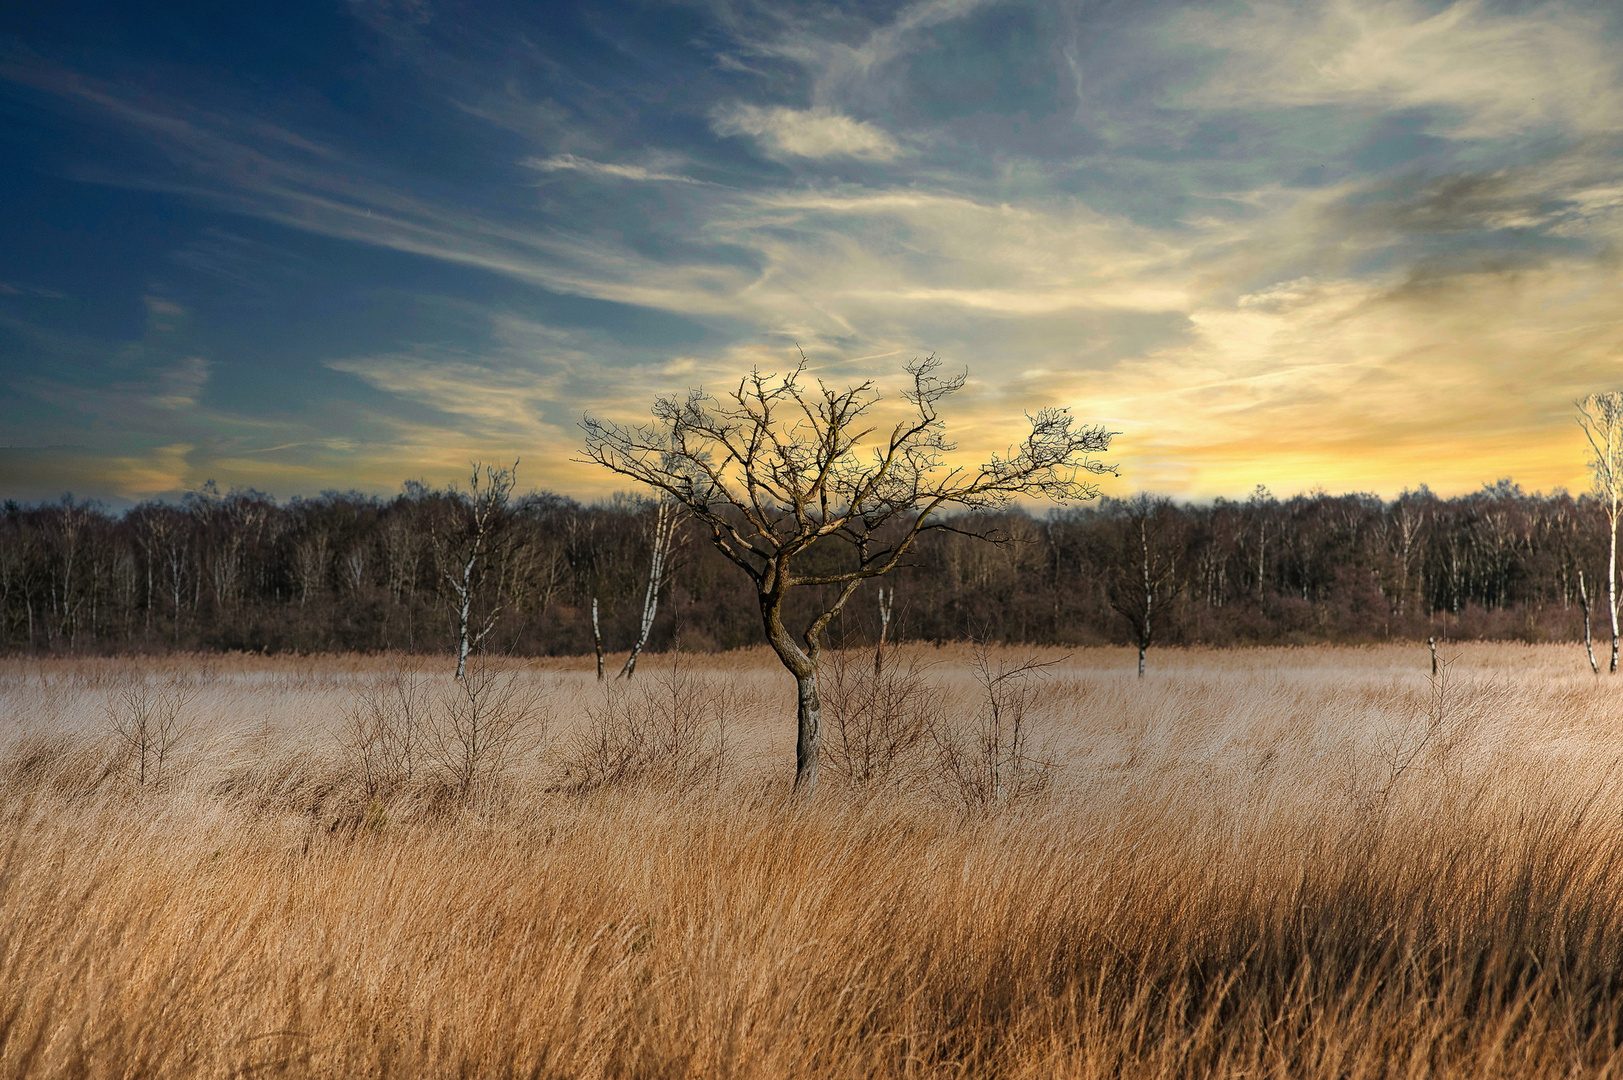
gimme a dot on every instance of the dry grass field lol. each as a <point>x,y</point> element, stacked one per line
<point>1269,863</point>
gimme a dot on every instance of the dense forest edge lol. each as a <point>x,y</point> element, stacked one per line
<point>350,572</point>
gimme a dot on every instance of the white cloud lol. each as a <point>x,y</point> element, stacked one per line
<point>571,163</point>
<point>807,133</point>
<point>1487,75</point>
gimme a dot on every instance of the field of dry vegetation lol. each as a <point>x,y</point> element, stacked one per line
<point>1268,863</point>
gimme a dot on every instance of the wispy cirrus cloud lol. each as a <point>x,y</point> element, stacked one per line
<point>1482,73</point>
<point>610,170</point>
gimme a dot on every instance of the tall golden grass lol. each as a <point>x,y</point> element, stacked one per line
<point>1285,863</point>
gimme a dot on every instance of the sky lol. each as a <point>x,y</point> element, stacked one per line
<point>339,244</point>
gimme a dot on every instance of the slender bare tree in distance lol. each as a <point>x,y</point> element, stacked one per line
<point>1601,417</point>
<point>776,467</point>
<point>470,536</point>
<point>662,536</point>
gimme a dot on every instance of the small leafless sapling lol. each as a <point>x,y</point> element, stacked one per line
<point>670,732</point>
<point>991,759</point>
<point>879,723</point>
<point>147,720</point>
<point>384,728</point>
<point>481,725</point>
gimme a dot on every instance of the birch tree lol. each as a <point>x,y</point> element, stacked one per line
<point>777,467</point>
<point>1601,418</point>
<point>472,538</point>
<point>1148,544</point>
<point>662,536</point>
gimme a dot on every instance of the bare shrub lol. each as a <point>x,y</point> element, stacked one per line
<point>1424,741</point>
<point>480,725</point>
<point>147,720</point>
<point>384,730</point>
<point>668,732</point>
<point>879,720</point>
<point>990,758</point>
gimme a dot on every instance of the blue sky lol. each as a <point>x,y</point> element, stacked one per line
<point>313,245</point>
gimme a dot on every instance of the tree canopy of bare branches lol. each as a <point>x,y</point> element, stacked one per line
<point>777,466</point>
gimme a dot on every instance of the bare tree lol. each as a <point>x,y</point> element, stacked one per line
<point>597,639</point>
<point>471,542</point>
<point>1601,417</point>
<point>484,722</point>
<point>1589,642</point>
<point>384,729</point>
<point>1149,542</point>
<point>992,760</point>
<point>662,536</point>
<point>775,468</point>
<point>147,720</point>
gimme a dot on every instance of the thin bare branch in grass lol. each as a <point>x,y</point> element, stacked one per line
<point>384,732</point>
<point>879,720</point>
<point>482,724</point>
<point>148,720</point>
<point>992,758</point>
<point>1425,740</point>
<point>775,468</point>
<point>669,731</point>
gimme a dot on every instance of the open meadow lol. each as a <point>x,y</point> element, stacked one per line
<point>1315,862</point>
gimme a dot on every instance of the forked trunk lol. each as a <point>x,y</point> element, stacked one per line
<point>809,735</point>
<point>802,664</point>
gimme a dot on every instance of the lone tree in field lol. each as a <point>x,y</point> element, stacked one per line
<point>1145,541</point>
<point>1601,417</point>
<point>776,467</point>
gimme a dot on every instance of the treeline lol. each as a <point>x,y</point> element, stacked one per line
<point>346,571</point>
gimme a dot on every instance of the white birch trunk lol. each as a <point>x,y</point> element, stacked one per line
<point>1611,589</point>
<point>664,530</point>
<point>464,592</point>
<point>1589,647</point>
<point>597,640</point>
<point>887,599</point>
